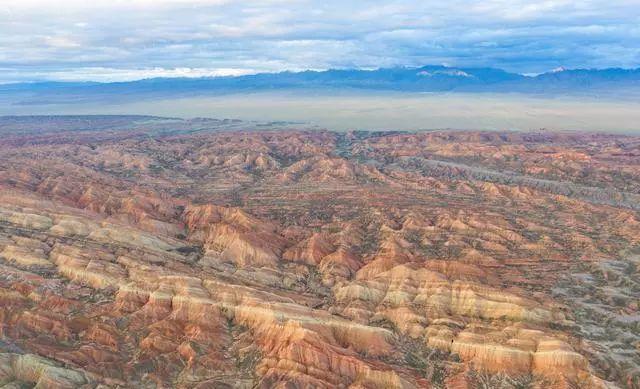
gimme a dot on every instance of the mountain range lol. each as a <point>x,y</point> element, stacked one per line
<point>422,79</point>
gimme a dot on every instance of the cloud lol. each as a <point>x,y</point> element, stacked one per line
<point>120,39</point>
<point>61,42</point>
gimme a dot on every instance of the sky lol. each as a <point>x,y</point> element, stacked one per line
<point>119,40</point>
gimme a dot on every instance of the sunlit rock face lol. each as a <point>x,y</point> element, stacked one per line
<point>289,259</point>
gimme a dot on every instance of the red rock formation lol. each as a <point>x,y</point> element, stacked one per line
<point>318,259</point>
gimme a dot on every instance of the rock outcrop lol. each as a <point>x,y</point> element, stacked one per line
<point>318,259</point>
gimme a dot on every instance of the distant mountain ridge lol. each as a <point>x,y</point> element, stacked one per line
<point>421,79</point>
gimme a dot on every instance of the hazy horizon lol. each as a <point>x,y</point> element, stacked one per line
<point>379,110</point>
<point>107,41</point>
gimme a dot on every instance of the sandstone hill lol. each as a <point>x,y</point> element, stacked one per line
<point>316,259</point>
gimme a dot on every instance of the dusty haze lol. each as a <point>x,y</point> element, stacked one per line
<point>379,110</point>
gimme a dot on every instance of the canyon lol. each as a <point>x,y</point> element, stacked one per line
<point>201,253</point>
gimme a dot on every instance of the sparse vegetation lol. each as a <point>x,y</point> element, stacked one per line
<point>484,380</point>
<point>479,241</point>
<point>431,363</point>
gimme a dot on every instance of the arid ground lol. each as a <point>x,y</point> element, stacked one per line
<point>369,110</point>
<point>146,252</point>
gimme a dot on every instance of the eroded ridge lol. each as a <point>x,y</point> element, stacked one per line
<point>318,259</point>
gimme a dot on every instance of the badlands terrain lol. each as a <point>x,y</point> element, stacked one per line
<point>157,253</point>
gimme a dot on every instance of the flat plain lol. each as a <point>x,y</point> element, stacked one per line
<point>365,110</point>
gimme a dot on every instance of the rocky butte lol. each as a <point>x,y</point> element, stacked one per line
<point>137,252</point>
